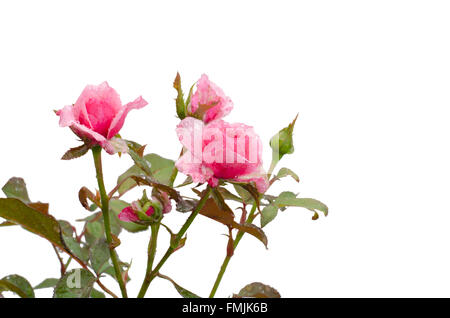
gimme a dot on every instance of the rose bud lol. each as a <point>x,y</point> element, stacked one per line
<point>209,102</point>
<point>164,199</point>
<point>133,213</point>
<point>282,143</point>
<point>98,115</point>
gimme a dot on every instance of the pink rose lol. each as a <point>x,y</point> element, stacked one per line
<point>129,213</point>
<point>209,101</point>
<point>98,115</point>
<point>220,150</point>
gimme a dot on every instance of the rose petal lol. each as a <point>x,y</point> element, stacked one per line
<point>213,101</point>
<point>150,211</point>
<point>164,199</point>
<point>119,118</point>
<point>97,106</point>
<point>85,132</point>
<point>128,215</point>
<point>213,182</point>
<point>66,116</point>
<point>197,171</point>
<point>115,145</point>
<point>190,134</point>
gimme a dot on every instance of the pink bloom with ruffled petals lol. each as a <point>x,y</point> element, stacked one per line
<point>220,150</point>
<point>209,102</point>
<point>98,115</point>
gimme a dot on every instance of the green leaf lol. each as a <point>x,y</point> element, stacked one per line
<point>109,269</point>
<point>75,248</point>
<point>259,290</point>
<point>284,172</point>
<point>252,229</point>
<point>7,223</point>
<point>161,170</point>
<point>97,294</point>
<point>71,241</point>
<point>227,195</point>
<point>47,283</point>
<point>139,160</point>
<point>95,227</point>
<point>289,199</point>
<point>246,196</point>
<point>114,222</point>
<point>116,206</point>
<point>222,213</point>
<point>34,221</point>
<point>76,152</point>
<point>17,284</point>
<point>182,291</point>
<point>99,256</point>
<point>94,231</point>
<point>66,227</point>
<point>77,283</point>
<point>16,188</point>
<point>186,182</point>
<point>188,99</point>
<point>268,214</point>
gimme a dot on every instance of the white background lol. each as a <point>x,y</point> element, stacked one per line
<point>369,79</point>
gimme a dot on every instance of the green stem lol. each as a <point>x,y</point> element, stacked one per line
<point>97,153</point>
<point>273,164</point>
<point>227,259</point>
<point>152,247</point>
<point>68,262</point>
<point>174,244</point>
<point>174,174</point>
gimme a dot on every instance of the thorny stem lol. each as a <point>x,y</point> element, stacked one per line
<point>155,228</point>
<point>174,243</point>
<point>227,259</point>
<point>238,238</point>
<point>152,248</point>
<point>96,151</point>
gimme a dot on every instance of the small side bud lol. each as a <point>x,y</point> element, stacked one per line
<point>282,143</point>
<point>179,101</point>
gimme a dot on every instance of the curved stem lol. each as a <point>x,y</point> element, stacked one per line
<point>61,262</point>
<point>227,259</point>
<point>97,152</point>
<point>174,243</point>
